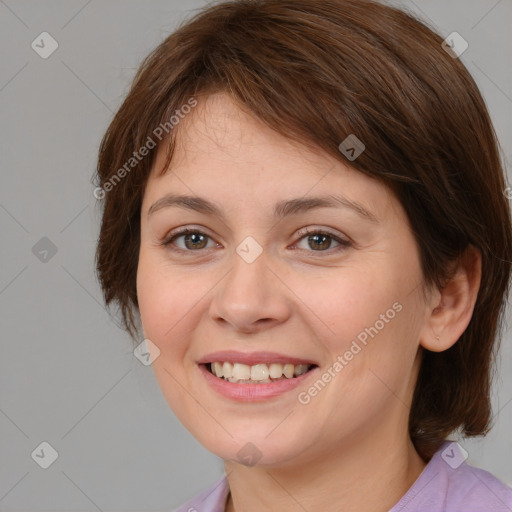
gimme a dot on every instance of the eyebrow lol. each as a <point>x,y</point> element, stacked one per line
<point>281,209</point>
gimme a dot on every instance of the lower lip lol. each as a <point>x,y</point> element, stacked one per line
<point>252,392</point>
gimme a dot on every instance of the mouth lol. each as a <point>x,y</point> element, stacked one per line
<point>260,373</point>
<point>254,377</point>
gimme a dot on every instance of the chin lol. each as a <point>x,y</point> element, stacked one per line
<point>263,448</point>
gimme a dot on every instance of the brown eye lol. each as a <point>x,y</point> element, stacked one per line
<point>193,240</point>
<point>321,241</point>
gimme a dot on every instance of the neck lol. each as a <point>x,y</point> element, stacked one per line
<point>335,480</point>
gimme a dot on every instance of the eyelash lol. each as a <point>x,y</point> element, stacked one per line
<point>344,244</point>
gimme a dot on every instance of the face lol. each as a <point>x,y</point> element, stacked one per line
<point>279,288</point>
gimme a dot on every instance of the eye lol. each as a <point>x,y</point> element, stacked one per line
<point>321,240</point>
<point>193,240</point>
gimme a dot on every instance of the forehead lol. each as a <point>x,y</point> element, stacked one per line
<point>220,129</point>
<point>225,152</point>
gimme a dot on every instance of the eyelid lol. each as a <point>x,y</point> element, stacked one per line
<point>343,241</point>
<point>300,233</point>
<point>184,230</point>
<point>311,230</point>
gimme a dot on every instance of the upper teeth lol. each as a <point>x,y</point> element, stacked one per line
<point>262,372</point>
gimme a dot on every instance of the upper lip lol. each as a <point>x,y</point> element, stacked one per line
<point>252,358</point>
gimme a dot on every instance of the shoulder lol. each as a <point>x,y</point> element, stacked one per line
<point>476,490</point>
<point>449,484</point>
<point>212,499</point>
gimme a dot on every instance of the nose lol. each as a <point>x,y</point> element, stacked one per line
<point>251,297</point>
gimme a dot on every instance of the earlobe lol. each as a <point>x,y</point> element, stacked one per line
<point>450,317</point>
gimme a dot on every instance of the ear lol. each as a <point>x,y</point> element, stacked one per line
<point>452,307</point>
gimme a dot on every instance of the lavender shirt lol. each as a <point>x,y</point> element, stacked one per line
<point>447,484</point>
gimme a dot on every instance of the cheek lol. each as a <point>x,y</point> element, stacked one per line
<point>163,304</point>
<point>372,326</point>
<point>166,311</point>
<point>351,305</point>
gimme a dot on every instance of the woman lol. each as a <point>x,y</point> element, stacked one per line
<point>304,215</point>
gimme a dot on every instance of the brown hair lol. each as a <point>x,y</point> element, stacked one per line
<point>316,72</point>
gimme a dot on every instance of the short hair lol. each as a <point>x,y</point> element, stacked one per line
<point>317,72</point>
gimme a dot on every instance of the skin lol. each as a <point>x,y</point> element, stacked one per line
<point>299,297</point>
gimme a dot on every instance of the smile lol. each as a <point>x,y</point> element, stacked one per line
<point>256,376</point>
<point>262,373</point>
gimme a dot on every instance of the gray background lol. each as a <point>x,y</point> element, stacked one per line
<point>68,375</point>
